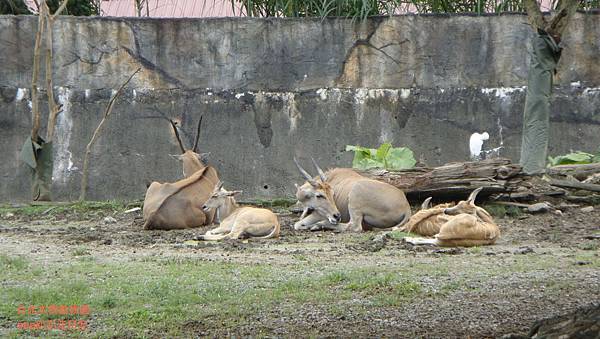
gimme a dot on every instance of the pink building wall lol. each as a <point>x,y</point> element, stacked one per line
<point>194,8</point>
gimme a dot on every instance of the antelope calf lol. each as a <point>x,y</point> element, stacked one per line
<point>238,221</point>
<point>343,195</point>
<point>462,225</point>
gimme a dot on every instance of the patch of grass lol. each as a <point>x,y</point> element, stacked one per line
<point>513,211</point>
<point>156,296</point>
<point>8,263</point>
<point>79,251</point>
<point>497,211</point>
<point>588,245</point>
<point>40,210</point>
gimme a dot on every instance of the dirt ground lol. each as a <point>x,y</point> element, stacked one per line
<point>566,247</point>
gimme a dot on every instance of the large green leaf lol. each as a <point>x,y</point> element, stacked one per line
<point>400,158</point>
<point>385,156</point>
<point>572,159</point>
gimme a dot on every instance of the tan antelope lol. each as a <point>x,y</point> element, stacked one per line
<point>428,220</point>
<point>239,221</point>
<point>179,205</point>
<point>462,225</point>
<point>343,195</point>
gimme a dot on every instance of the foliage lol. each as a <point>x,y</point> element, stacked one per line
<point>386,156</point>
<point>13,7</point>
<point>574,158</point>
<point>74,7</point>
<point>360,9</point>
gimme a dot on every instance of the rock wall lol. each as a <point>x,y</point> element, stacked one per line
<point>271,89</point>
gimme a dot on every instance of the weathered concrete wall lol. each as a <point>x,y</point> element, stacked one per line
<point>270,89</point>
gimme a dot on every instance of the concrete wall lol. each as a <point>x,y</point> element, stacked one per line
<point>270,89</point>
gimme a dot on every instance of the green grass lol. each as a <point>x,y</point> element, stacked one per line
<point>500,211</point>
<point>157,296</point>
<point>41,210</point>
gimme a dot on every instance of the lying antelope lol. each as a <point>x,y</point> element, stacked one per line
<point>238,221</point>
<point>462,225</point>
<point>428,220</point>
<point>179,205</point>
<point>343,195</point>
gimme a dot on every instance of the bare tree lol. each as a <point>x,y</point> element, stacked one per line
<point>37,152</point>
<point>88,149</point>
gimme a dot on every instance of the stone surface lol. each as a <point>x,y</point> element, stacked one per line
<point>271,89</point>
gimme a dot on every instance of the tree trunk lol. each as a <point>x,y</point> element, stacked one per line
<point>544,59</point>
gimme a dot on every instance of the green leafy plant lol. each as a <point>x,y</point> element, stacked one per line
<point>386,156</point>
<point>361,9</point>
<point>574,158</point>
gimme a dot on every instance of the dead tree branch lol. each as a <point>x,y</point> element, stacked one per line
<point>88,148</point>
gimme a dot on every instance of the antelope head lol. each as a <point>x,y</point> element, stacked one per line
<point>317,194</point>
<point>218,198</point>
<point>192,161</point>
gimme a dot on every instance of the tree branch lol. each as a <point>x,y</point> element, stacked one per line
<point>53,108</point>
<point>566,9</point>
<point>60,9</point>
<point>88,148</point>
<point>35,106</point>
<point>534,14</point>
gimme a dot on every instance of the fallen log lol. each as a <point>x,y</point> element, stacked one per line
<point>455,180</point>
<point>574,184</point>
<point>580,172</point>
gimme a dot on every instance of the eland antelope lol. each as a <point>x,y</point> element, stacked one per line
<point>462,225</point>
<point>343,195</point>
<point>179,205</point>
<point>239,221</point>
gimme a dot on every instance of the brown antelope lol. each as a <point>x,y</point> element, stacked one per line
<point>343,195</point>
<point>179,205</point>
<point>428,220</point>
<point>462,225</point>
<point>239,221</point>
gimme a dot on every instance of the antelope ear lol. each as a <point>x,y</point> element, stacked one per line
<point>176,156</point>
<point>296,185</point>
<point>232,193</point>
<point>203,157</point>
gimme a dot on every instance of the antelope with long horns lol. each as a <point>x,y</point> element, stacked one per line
<point>343,195</point>
<point>179,205</point>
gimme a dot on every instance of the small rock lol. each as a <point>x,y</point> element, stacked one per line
<point>110,220</point>
<point>107,242</point>
<point>380,237</point>
<point>582,263</point>
<point>540,207</point>
<point>587,209</point>
<point>9,215</point>
<point>523,250</point>
<point>523,216</point>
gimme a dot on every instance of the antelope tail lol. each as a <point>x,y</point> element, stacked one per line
<point>404,220</point>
